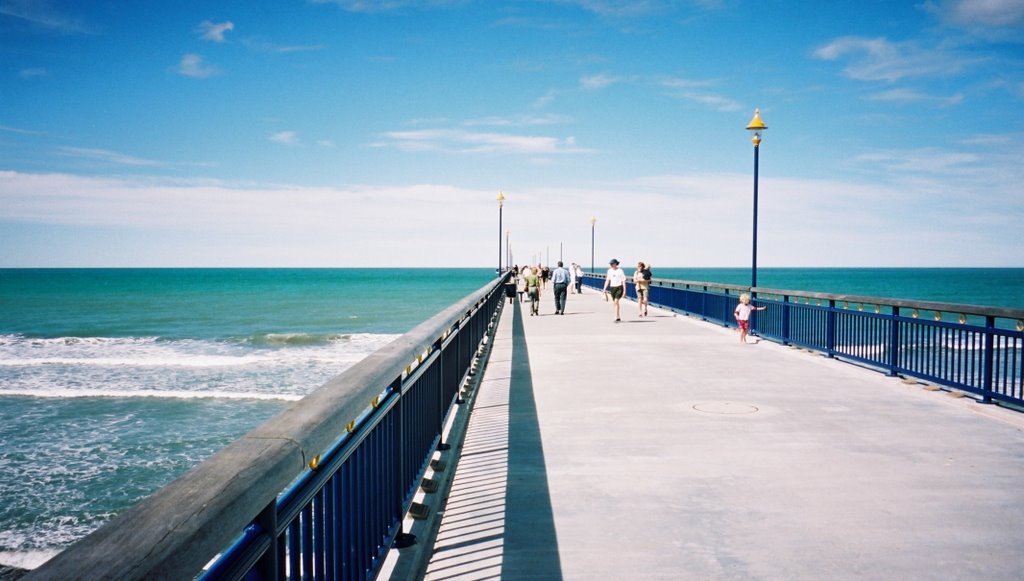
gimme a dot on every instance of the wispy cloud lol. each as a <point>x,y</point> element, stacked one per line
<point>912,96</point>
<point>285,138</point>
<point>700,91</point>
<point>628,8</point>
<point>597,82</point>
<point>32,73</point>
<point>388,5</point>
<point>975,13</point>
<point>878,59</point>
<point>470,142</point>
<point>193,65</point>
<point>107,156</point>
<point>270,47</point>
<point>40,13</point>
<point>19,130</point>
<point>520,121</point>
<point>214,31</point>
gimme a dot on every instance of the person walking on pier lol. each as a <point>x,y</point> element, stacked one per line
<point>521,282</point>
<point>560,281</point>
<point>742,314</point>
<point>615,283</point>
<point>642,279</point>
<point>577,272</point>
<point>533,290</point>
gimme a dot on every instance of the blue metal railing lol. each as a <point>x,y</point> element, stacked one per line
<point>318,491</point>
<point>971,348</point>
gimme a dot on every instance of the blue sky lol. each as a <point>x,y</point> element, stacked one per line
<point>379,133</point>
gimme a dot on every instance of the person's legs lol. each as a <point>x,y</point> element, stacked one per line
<point>561,292</point>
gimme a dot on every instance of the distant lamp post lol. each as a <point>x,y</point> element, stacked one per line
<point>508,249</point>
<point>501,205</point>
<point>593,221</point>
<point>756,126</point>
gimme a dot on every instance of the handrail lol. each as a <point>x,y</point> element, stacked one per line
<point>981,351</point>
<point>234,496</point>
<point>969,309</point>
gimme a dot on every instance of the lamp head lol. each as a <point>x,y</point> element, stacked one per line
<point>593,220</point>
<point>756,126</point>
<point>501,199</point>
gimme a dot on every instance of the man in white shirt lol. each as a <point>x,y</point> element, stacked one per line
<point>615,283</point>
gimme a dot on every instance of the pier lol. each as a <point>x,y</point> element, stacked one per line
<point>662,448</point>
<point>862,441</point>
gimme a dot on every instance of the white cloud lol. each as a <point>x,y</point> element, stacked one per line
<point>545,99</point>
<point>627,8</point>
<point>193,65</point>
<point>597,82</point>
<point>214,31</point>
<point>912,96</point>
<point>107,156</point>
<point>698,91</point>
<point>270,47</point>
<point>43,15</point>
<point>20,130</point>
<point>470,142</point>
<point>32,73</point>
<point>520,121</point>
<point>388,5</point>
<point>688,220</point>
<point>983,13</point>
<point>285,138</point>
<point>878,59</point>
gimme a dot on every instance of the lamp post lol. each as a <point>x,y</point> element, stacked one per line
<point>508,249</point>
<point>756,126</point>
<point>593,221</point>
<point>501,204</point>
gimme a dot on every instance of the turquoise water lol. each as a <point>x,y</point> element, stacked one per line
<point>113,382</point>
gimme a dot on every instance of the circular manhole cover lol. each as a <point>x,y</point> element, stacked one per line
<point>725,408</point>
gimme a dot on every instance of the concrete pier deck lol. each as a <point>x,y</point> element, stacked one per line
<point>662,448</point>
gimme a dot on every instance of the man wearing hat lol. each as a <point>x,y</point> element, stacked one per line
<point>615,283</point>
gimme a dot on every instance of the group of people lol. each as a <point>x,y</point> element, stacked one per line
<point>531,280</point>
<point>615,286</point>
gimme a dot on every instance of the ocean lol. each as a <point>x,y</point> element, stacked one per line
<point>115,381</point>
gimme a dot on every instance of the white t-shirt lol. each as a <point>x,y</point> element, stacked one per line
<point>742,312</point>
<point>616,277</point>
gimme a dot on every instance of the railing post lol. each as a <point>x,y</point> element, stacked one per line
<point>402,538</point>
<point>704,304</point>
<point>894,342</point>
<point>785,319</point>
<point>830,330</point>
<point>989,379</point>
<point>267,566</point>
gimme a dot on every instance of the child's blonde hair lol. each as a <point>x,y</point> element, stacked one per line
<point>745,298</point>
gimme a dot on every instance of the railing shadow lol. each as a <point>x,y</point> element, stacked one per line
<point>498,521</point>
<point>531,544</point>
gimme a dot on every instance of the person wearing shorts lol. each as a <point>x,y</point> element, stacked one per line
<point>615,284</point>
<point>642,280</point>
<point>742,314</point>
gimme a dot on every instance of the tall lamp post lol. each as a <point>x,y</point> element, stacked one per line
<point>501,204</point>
<point>756,126</point>
<point>508,249</point>
<point>593,221</point>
